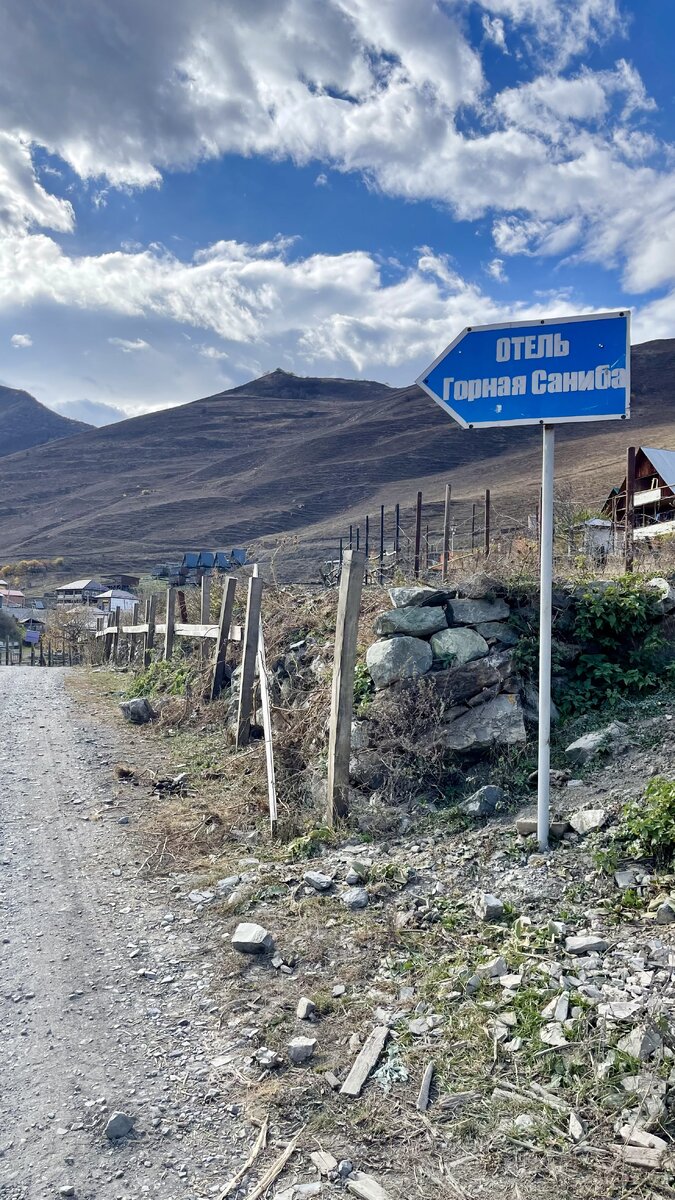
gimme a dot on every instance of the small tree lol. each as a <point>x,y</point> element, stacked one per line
<point>9,627</point>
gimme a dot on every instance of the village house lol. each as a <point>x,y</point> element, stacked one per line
<point>11,597</point>
<point>654,494</point>
<point>116,598</point>
<point>80,591</point>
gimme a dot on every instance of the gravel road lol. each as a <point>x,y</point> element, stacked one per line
<point>105,993</point>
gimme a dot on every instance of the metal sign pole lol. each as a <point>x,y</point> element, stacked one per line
<point>545,615</point>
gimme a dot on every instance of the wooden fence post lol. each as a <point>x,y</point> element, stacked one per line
<point>49,654</point>
<point>182,606</point>
<point>32,654</point>
<point>381,544</point>
<point>629,528</point>
<point>250,650</point>
<point>446,532</point>
<point>205,609</point>
<point>131,644</point>
<point>150,621</point>
<point>226,607</point>
<point>487,522</point>
<point>170,621</point>
<point>117,635</point>
<point>473,526</point>
<point>342,700</point>
<point>418,534</point>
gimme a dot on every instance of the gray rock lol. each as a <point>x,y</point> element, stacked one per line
<point>345,1168</point>
<point>499,722</point>
<point>588,820</point>
<point>483,802</point>
<point>665,592</point>
<point>592,744</point>
<point>318,881</point>
<point>416,621</point>
<point>356,897</point>
<point>306,1009</point>
<point>360,735</point>
<point>301,1049</point>
<point>118,1125</point>
<point>530,696</point>
<point>476,612</point>
<point>402,597</point>
<point>585,944</point>
<point>498,630</point>
<point>478,586</point>
<point>458,646</point>
<point>249,938</point>
<point>488,907</point>
<point>358,872</point>
<point>366,769</point>
<point>641,1042</point>
<point>138,711</point>
<point>67,1190</point>
<point>665,913</point>
<point>398,658</point>
<point>626,878</point>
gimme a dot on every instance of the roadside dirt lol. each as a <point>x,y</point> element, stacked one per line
<point>105,993</point>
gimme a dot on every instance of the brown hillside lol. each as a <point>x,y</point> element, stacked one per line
<point>24,422</point>
<point>300,457</point>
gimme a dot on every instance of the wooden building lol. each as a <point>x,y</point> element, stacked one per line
<point>654,494</point>
<point>80,591</point>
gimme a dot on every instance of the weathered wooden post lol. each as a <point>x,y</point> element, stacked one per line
<point>170,621</point>
<point>487,522</point>
<point>446,532</point>
<point>397,531</point>
<point>117,636</point>
<point>131,642</point>
<point>150,621</point>
<point>629,526</point>
<point>381,573</point>
<point>342,700</point>
<point>250,651</point>
<point>182,605</point>
<point>224,623</point>
<point>49,654</point>
<point>418,534</point>
<point>32,655</point>
<point>7,651</point>
<point>205,610</point>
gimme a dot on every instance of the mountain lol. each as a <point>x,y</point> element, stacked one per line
<point>24,422</point>
<point>293,460</point>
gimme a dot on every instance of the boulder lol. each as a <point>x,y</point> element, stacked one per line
<point>118,1125</point>
<point>301,1049</point>
<point>531,705</point>
<point>398,658</point>
<point>458,646</point>
<point>592,744</point>
<point>488,907</point>
<point>475,612</point>
<point>417,621</point>
<point>585,944</point>
<point>249,938</point>
<point>318,881</point>
<point>404,597</point>
<point>354,898</point>
<point>498,631</point>
<point>483,802</point>
<point>499,722</point>
<point>478,586</point>
<point>588,820</point>
<point>367,769</point>
<point>456,685</point>
<point>138,711</point>
<point>665,592</point>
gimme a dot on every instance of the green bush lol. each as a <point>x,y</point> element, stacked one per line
<point>172,677</point>
<point>363,690</point>
<point>615,628</point>
<point>647,828</point>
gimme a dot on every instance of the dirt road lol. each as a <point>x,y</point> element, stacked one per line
<point>104,990</point>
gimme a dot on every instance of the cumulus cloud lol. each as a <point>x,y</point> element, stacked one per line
<point>21,341</point>
<point>493,28</point>
<point>124,344</point>
<point>495,270</point>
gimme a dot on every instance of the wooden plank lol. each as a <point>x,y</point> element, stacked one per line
<point>150,617</point>
<point>364,1187</point>
<point>342,701</point>
<point>629,523</point>
<point>267,728</point>
<point>196,630</point>
<point>365,1061</point>
<point>251,631</point>
<point>223,635</point>
<point>418,534</point>
<point>425,1089</point>
<point>446,532</point>
<point>170,621</point>
<point>487,522</point>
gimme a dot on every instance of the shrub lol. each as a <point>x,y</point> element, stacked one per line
<point>647,827</point>
<point>9,627</point>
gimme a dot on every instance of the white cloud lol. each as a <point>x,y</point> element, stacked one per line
<point>124,344</point>
<point>563,29</point>
<point>23,200</point>
<point>93,412</point>
<point>321,180</point>
<point>495,270</point>
<point>212,352</point>
<point>493,27</point>
<point>21,341</point>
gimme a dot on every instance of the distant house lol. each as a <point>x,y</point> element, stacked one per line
<point>122,581</point>
<point>80,591</point>
<point>32,619</point>
<point>11,597</point>
<point>116,598</point>
<point>654,494</point>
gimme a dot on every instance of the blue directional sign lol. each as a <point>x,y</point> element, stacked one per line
<point>551,371</point>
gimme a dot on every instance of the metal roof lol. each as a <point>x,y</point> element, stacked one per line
<point>663,462</point>
<point>79,585</point>
<point>116,594</point>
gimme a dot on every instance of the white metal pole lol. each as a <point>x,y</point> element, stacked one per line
<point>545,607</point>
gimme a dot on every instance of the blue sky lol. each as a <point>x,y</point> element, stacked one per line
<point>193,194</point>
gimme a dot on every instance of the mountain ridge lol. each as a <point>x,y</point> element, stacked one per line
<point>26,422</point>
